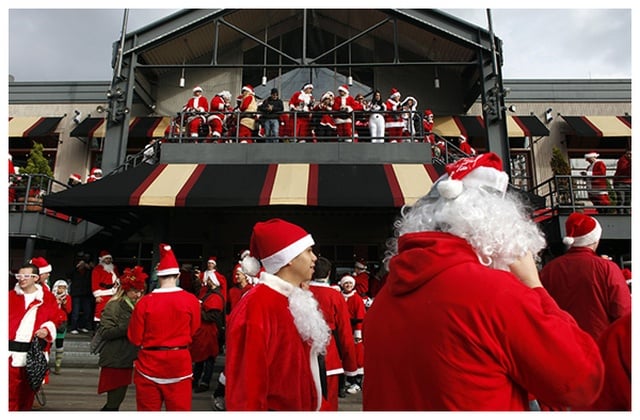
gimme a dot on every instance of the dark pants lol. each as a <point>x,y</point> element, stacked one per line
<point>623,192</point>
<point>202,372</point>
<point>81,305</point>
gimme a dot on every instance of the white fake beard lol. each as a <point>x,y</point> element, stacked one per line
<point>309,320</point>
<point>108,267</point>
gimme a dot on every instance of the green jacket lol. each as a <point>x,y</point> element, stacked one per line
<point>118,352</point>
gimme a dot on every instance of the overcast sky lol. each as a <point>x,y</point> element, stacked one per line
<point>75,44</point>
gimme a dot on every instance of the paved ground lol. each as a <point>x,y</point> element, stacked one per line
<point>75,390</point>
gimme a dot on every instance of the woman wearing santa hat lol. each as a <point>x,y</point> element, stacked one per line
<point>463,322</point>
<point>249,107</point>
<point>276,333</point>
<point>393,118</point>
<point>162,325</point>
<point>117,355</point>
<point>357,311</point>
<point>591,288</point>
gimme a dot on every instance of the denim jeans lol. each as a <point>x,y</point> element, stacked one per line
<point>271,128</point>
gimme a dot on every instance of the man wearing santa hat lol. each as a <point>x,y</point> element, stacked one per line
<point>344,104</point>
<point>276,333</point>
<point>32,313</point>
<point>393,122</point>
<point>104,282</point>
<point>44,268</point>
<point>162,325</point>
<point>357,310</point>
<point>300,103</point>
<point>249,107</point>
<point>597,186</point>
<point>212,273</point>
<point>341,351</point>
<point>591,288</point>
<point>463,322</point>
<point>195,107</point>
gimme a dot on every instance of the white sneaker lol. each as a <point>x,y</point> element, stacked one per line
<point>354,389</point>
<point>74,332</point>
<point>84,330</point>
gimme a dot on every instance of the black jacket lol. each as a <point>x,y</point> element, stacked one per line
<point>277,105</point>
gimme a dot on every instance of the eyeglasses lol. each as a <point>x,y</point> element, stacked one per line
<point>25,276</point>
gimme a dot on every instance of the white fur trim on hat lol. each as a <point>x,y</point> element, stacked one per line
<point>346,279</point>
<point>197,88</point>
<point>276,261</point>
<point>308,85</point>
<point>343,88</point>
<point>480,177</point>
<point>591,155</point>
<point>584,240</point>
<point>250,266</point>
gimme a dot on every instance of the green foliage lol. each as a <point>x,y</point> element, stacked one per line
<point>559,164</point>
<point>37,164</point>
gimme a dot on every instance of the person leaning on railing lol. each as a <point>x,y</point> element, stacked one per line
<point>622,182</point>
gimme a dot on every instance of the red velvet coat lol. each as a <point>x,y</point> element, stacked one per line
<point>268,366</point>
<point>102,283</point>
<point>448,333</point>
<point>205,340</point>
<point>357,312</point>
<point>592,289</point>
<point>166,317</point>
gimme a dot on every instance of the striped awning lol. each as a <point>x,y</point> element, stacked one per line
<point>254,185</point>
<point>600,125</point>
<point>473,126</point>
<point>139,127</point>
<point>33,126</point>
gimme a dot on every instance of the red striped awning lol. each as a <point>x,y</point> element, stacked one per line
<point>33,126</point>
<point>473,126</point>
<point>599,126</point>
<point>139,127</point>
<point>255,185</point>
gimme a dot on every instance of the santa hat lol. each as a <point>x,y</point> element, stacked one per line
<point>168,265</point>
<point>344,88</point>
<point>42,264</point>
<point>347,279</point>
<point>58,283</point>
<point>308,85</point>
<point>250,266</point>
<point>104,254</point>
<point>482,171</point>
<point>395,93</point>
<point>327,94</point>
<point>248,88</point>
<point>428,113</point>
<point>75,177</point>
<point>133,279</point>
<point>276,242</point>
<point>96,171</point>
<point>214,260</point>
<point>582,230</point>
<point>591,155</point>
<point>462,138</point>
<point>197,89</point>
<point>361,264</point>
<point>225,94</point>
<point>244,253</point>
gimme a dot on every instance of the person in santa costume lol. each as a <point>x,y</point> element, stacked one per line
<point>344,105</point>
<point>463,322</point>
<point>276,334</point>
<point>393,122</point>
<point>597,186</point>
<point>60,290</point>
<point>206,344</point>
<point>465,147</point>
<point>104,282</point>
<point>591,288</point>
<point>427,126</point>
<point>118,354</point>
<point>194,111</point>
<point>32,313</point>
<point>300,103</point>
<point>212,273</point>
<point>96,174</point>
<point>162,325</point>
<point>245,277</point>
<point>249,107</point>
<point>341,350</point>
<point>357,310</point>
<point>324,125</point>
<point>220,107</point>
<point>361,275</point>
<point>410,118</point>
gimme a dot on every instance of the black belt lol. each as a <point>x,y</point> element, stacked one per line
<point>18,346</point>
<point>165,348</point>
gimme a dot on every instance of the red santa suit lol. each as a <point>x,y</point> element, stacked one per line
<point>27,314</point>
<point>302,103</point>
<point>104,284</point>
<point>236,293</point>
<point>465,147</point>
<point>205,340</point>
<point>162,324</point>
<point>357,311</point>
<point>597,186</point>
<point>345,104</point>
<point>427,125</point>
<point>197,104</point>
<point>268,366</point>
<point>217,279</point>
<point>219,107</point>
<point>12,171</point>
<point>592,289</point>
<point>341,351</point>
<point>448,333</point>
<point>393,123</point>
<point>615,347</point>
<point>362,283</point>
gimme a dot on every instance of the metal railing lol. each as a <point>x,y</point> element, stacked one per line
<point>26,193</point>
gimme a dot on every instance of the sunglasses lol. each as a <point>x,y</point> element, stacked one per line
<point>25,276</point>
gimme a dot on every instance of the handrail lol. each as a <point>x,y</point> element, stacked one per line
<point>27,190</point>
